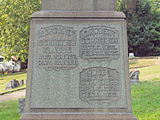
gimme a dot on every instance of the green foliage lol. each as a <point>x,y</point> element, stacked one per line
<point>9,110</point>
<point>155,31</point>
<point>143,18</point>
<point>143,22</point>
<point>15,16</point>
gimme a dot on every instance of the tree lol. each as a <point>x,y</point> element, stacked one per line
<point>143,22</point>
<point>15,16</point>
<point>143,26</point>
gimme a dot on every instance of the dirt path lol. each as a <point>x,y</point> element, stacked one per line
<point>12,96</point>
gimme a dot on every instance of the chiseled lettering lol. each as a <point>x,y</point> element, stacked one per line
<point>99,43</point>
<point>57,52</point>
<point>99,84</point>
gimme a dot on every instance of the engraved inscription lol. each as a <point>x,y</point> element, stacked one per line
<point>57,47</point>
<point>99,43</point>
<point>99,84</point>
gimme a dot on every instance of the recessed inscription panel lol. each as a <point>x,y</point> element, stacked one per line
<point>56,47</point>
<point>99,84</point>
<point>99,43</point>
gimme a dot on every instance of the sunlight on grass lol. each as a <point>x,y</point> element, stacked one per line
<point>145,96</point>
<point>146,100</point>
<point>151,73</point>
<point>149,68</point>
<point>134,63</point>
<point>9,110</point>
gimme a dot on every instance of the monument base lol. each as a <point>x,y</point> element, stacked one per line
<point>43,104</point>
<point>78,117</point>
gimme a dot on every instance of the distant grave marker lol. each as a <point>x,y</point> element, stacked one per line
<point>131,55</point>
<point>12,84</point>
<point>134,76</point>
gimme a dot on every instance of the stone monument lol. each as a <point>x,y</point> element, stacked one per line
<point>78,62</point>
<point>21,105</point>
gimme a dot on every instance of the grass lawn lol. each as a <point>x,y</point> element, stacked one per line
<point>146,95</point>
<point>151,73</point>
<point>137,63</point>
<point>146,100</point>
<point>4,79</point>
<point>9,110</point>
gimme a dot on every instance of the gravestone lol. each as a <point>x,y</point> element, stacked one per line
<point>15,83</point>
<point>12,84</point>
<point>131,55</point>
<point>78,62</point>
<point>22,82</point>
<point>9,85</point>
<point>134,76</point>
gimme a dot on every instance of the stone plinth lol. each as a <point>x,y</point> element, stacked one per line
<point>79,5</point>
<point>78,62</point>
<point>79,117</point>
<point>81,83</point>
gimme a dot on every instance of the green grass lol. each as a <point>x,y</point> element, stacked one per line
<point>4,79</point>
<point>9,110</point>
<point>146,95</point>
<point>151,73</point>
<point>146,100</point>
<point>137,63</point>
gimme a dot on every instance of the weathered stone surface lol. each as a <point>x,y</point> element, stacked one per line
<point>79,5</point>
<point>79,117</point>
<point>78,62</point>
<point>81,14</point>
<point>65,52</point>
<point>21,102</point>
<point>99,84</point>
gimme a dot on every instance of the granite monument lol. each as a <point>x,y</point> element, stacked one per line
<point>78,62</point>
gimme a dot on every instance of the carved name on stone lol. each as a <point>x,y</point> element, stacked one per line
<point>56,47</point>
<point>99,43</point>
<point>99,84</point>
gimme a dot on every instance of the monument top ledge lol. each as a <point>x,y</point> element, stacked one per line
<point>79,5</point>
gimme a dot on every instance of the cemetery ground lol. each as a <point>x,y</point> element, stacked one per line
<point>4,79</point>
<point>145,96</point>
